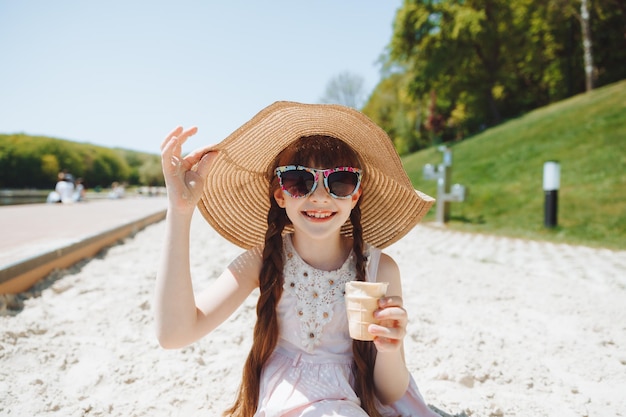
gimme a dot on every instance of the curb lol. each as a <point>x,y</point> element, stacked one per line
<point>20,276</point>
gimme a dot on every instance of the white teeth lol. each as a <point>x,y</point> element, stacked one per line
<point>318,215</point>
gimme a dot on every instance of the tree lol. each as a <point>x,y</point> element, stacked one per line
<point>391,107</point>
<point>151,173</point>
<point>460,50</point>
<point>587,45</point>
<point>345,89</point>
<point>107,166</point>
<point>34,162</point>
<point>50,166</point>
<point>491,60</point>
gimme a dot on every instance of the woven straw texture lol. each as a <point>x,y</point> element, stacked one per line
<point>236,195</point>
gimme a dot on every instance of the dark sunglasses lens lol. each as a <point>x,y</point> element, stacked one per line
<point>297,183</point>
<point>343,183</point>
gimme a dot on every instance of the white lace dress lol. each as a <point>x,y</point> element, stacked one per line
<point>309,373</point>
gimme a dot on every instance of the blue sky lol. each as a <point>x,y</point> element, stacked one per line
<point>125,72</point>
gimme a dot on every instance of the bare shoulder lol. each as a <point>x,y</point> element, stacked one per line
<point>247,266</point>
<point>388,267</point>
<point>388,271</point>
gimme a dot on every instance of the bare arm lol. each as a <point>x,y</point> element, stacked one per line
<point>391,376</point>
<point>180,318</point>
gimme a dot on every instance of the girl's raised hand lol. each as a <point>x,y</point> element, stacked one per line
<point>391,328</point>
<point>184,182</point>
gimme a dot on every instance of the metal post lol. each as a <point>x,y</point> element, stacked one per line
<point>446,193</point>
<point>443,186</point>
<point>551,185</point>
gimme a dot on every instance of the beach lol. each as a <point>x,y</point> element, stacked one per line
<point>498,327</point>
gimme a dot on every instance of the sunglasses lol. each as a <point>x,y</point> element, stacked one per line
<point>299,181</point>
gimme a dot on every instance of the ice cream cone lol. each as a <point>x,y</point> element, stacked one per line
<point>361,302</point>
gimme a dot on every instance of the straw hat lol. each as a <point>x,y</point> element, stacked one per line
<point>235,198</point>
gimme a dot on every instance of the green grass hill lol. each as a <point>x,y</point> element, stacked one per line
<point>503,170</point>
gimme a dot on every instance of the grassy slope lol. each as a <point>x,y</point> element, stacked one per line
<point>503,169</point>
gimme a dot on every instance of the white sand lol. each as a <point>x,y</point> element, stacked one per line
<point>499,327</point>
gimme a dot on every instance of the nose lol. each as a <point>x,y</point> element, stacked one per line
<point>320,193</point>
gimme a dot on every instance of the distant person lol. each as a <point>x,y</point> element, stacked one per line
<point>63,190</point>
<point>79,190</point>
<point>66,189</point>
<point>54,196</point>
<point>117,190</point>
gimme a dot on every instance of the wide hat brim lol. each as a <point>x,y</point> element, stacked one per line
<point>235,200</point>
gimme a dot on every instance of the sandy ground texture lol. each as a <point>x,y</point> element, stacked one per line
<point>499,327</point>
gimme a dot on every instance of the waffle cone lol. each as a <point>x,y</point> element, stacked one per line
<point>361,302</point>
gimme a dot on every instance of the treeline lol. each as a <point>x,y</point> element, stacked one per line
<point>35,161</point>
<point>454,68</point>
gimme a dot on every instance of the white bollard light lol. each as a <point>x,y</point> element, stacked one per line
<point>551,185</point>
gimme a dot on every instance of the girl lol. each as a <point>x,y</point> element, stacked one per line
<point>312,192</point>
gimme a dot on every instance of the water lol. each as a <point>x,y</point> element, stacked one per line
<point>15,197</point>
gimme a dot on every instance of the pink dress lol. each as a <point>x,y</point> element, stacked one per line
<point>309,373</point>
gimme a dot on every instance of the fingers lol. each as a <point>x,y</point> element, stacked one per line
<point>171,150</point>
<point>387,338</point>
<point>392,320</point>
<point>205,163</point>
<point>391,301</point>
<point>384,344</point>
<point>179,136</point>
<point>391,309</point>
<point>197,155</point>
<point>172,134</point>
<point>390,330</point>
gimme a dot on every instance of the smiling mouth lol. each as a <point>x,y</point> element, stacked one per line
<point>318,215</point>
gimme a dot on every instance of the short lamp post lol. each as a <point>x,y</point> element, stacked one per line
<point>551,185</point>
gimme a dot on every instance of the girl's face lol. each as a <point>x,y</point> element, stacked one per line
<point>318,215</point>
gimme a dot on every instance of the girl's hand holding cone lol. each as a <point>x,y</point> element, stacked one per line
<point>391,328</point>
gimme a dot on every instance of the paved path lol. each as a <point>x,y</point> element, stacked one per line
<point>30,231</point>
